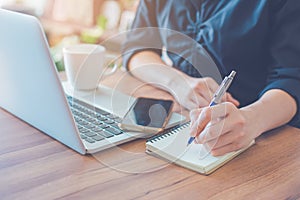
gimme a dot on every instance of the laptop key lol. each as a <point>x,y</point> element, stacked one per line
<point>109,121</point>
<point>114,131</point>
<point>83,130</point>
<point>77,119</point>
<point>90,113</point>
<point>97,123</point>
<point>112,116</point>
<point>90,119</point>
<point>90,134</point>
<point>78,107</point>
<point>106,134</point>
<point>90,126</point>
<point>89,140</point>
<point>80,127</point>
<point>104,126</point>
<point>98,137</point>
<point>81,115</point>
<point>115,125</point>
<point>75,106</point>
<point>101,118</point>
<point>83,123</point>
<point>87,118</point>
<point>118,120</point>
<point>83,136</point>
<point>97,130</point>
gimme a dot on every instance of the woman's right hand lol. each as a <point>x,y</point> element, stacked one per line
<point>195,93</point>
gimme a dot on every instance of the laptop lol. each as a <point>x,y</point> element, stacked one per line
<point>31,90</point>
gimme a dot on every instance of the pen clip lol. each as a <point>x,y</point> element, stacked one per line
<point>222,88</point>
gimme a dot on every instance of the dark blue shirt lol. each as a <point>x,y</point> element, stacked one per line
<point>260,39</point>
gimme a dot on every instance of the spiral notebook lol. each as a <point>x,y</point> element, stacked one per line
<point>172,146</point>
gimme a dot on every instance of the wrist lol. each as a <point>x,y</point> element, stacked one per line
<point>275,108</point>
<point>254,119</point>
<point>177,82</point>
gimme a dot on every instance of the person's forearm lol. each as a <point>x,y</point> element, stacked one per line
<point>149,67</point>
<point>273,109</point>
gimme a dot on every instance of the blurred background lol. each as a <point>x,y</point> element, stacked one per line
<point>79,21</point>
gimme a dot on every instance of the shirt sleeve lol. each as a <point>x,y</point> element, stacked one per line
<point>285,52</point>
<point>144,34</point>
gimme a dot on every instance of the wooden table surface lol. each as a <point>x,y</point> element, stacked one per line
<point>34,166</point>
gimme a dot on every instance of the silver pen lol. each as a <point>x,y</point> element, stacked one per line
<point>222,89</point>
<point>219,94</point>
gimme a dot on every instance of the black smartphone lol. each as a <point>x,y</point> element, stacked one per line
<point>147,115</point>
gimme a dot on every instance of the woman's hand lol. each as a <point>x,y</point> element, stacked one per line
<point>190,92</point>
<point>195,93</point>
<point>222,128</point>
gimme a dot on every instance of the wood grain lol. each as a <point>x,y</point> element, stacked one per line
<point>34,166</point>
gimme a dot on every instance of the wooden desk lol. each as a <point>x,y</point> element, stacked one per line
<point>34,166</point>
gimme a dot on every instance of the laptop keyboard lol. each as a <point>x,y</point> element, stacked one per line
<point>93,123</point>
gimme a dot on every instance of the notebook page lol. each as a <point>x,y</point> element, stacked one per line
<point>174,146</point>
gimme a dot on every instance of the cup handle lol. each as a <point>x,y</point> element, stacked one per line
<point>112,71</point>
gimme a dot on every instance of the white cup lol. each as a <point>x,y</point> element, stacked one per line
<point>85,64</point>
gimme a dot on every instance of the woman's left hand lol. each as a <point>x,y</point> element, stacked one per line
<point>222,128</point>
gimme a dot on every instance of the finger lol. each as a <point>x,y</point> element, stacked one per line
<point>194,115</point>
<point>207,96</point>
<point>211,132</point>
<point>229,148</point>
<point>216,120</point>
<point>206,88</point>
<point>199,100</point>
<point>224,139</point>
<point>224,119</point>
<point>190,105</point>
<point>205,146</point>
<point>230,98</point>
<point>212,84</point>
<point>195,141</point>
<point>201,121</point>
<point>223,150</point>
<point>208,114</point>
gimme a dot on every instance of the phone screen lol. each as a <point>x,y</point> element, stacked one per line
<point>149,113</point>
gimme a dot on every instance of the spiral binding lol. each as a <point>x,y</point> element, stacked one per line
<point>169,132</point>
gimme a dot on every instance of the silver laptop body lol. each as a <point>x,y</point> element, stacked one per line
<point>31,89</point>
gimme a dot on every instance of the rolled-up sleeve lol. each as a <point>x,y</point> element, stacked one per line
<point>144,34</point>
<point>285,53</point>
